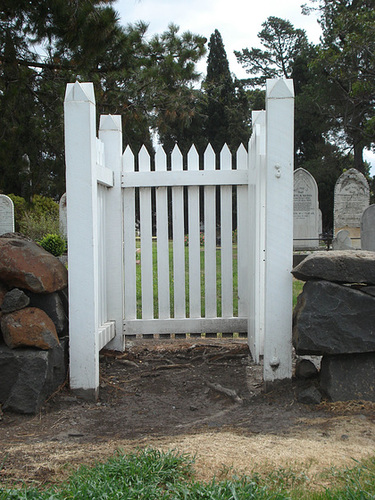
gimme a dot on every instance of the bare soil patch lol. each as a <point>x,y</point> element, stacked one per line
<point>203,398</point>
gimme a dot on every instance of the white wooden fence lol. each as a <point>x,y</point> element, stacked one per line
<point>103,187</point>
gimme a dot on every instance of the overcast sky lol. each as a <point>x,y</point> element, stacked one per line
<point>239,22</point>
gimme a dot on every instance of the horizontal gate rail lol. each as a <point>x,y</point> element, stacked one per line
<point>185,178</point>
<point>185,325</point>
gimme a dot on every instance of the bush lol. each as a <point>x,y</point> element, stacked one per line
<point>54,244</point>
<point>36,226</point>
<point>41,205</point>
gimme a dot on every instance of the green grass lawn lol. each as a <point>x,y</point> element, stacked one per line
<point>153,475</point>
<point>297,285</point>
<point>218,281</point>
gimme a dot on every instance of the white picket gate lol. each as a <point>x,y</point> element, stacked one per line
<point>104,190</point>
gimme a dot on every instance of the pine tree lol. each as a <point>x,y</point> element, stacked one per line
<point>228,114</point>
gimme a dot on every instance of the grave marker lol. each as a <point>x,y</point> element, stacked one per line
<point>6,215</point>
<point>368,229</point>
<point>63,219</point>
<point>352,197</point>
<point>305,211</point>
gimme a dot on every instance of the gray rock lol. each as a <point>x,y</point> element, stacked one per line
<point>348,377</point>
<point>29,377</point>
<point>356,266</point>
<point>305,369</point>
<point>309,396</point>
<point>333,319</point>
<point>14,300</point>
<point>53,306</point>
<point>370,290</point>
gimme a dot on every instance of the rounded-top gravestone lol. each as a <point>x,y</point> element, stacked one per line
<point>6,215</point>
<point>352,197</point>
<point>368,229</point>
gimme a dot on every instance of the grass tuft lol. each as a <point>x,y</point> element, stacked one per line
<point>151,474</point>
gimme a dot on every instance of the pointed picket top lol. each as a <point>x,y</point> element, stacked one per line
<point>144,160</point>
<point>176,158</point>
<point>209,158</point>
<point>160,160</point>
<point>241,158</point>
<point>83,92</point>
<point>225,158</point>
<point>128,160</point>
<point>279,88</point>
<point>193,158</point>
<point>258,117</point>
<point>110,122</point>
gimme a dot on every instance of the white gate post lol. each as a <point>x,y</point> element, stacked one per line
<point>257,194</point>
<point>110,133</point>
<point>81,183</point>
<point>279,230</point>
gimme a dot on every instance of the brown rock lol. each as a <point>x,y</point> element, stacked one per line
<point>29,327</point>
<point>26,265</point>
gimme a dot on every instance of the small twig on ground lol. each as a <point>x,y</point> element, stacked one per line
<point>128,362</point>
<point>225,390</point>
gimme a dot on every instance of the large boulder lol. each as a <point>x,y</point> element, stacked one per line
<point>29,327</point>
<point>333,319</point>
<point>24,264</point>
<point>345,266</point>
<point>348,377</point>
<point>30,376</point>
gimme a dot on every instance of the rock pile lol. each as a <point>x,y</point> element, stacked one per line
<point>335,318</point>
<point>33,324</point>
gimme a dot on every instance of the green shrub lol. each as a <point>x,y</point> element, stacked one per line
<point>41,205</point>
<point>37,226</point>
<point>54,244</point>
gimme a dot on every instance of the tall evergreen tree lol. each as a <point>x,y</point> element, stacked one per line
<point>345,73</point>
<point>143,81</point>
<point>228,114</point>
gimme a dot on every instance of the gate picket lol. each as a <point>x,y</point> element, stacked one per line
<point>130,292</point>
<point>162,239</point>
<point>226,239</point>
<point>242,237</point>
<point>194,240</point>
<point>210,239</point>
<point>145,217</point>
<point>178,239</point>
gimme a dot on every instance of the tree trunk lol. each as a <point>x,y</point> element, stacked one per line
<point>358,157</point>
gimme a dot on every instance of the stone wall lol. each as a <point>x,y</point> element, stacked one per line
<point>335,318</point>
<point>33,324</point>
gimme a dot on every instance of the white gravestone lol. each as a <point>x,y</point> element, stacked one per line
<point>368,229</point>
<point>63,218</point>
<point>352,197</point>
<point>6,215</point>
<point>306,214</point>
<point>342,241</point>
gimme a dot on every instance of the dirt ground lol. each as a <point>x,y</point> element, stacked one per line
<point>204,398</point>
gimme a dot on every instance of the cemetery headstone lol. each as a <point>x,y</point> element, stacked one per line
<point>368,229</point>
<point>352,197</point>
<point>6,215</point>
<point>305,211</point>
<point>342,241</point>
<point>63,216</point>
